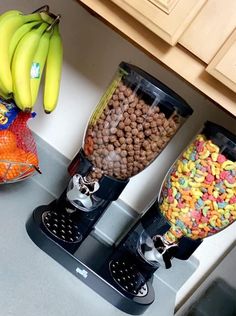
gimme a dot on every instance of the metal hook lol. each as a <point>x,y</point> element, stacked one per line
<point>44,8</point>
<point>37,169</point>
<point>56,20</point>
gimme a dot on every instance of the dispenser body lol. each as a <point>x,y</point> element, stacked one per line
<point>197,199</point>
<point>131,125</point>
<point>133,122</point>
<point>198,195</point>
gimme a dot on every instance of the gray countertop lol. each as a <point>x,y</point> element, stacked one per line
<point>31,282</point>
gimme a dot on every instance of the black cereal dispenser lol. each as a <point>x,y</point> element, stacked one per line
<point>135,119</point>
<point>197,199</point>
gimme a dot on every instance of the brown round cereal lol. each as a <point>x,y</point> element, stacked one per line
<point>128,135</point>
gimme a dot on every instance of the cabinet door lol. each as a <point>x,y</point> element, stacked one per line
<point>223,65</point>
<point>165,5</point>
<point>209,30</point>
<point>166,18</point>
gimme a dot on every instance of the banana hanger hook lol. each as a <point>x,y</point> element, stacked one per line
<point>56,20</point>
<point>44,8</point>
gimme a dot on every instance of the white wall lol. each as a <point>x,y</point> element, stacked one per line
<point>92,53</point>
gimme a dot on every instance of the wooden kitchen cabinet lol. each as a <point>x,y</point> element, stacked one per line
<point>176,58</point>
<point>208,38</point>
<point>210,29</point>
<point>223,65</point>
<point>166,18</point>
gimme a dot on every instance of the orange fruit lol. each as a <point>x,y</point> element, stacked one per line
<point>7,141</point>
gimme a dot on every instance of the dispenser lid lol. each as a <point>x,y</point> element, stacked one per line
<point>222,138</point>
<point>155,87</point>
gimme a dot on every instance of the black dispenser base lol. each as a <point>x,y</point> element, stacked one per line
<point>91,263</point>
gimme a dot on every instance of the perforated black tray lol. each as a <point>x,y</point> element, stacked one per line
<point>117,281</point>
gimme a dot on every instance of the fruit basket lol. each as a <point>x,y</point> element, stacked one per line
<point>32,43</point>
<point>18,154</point>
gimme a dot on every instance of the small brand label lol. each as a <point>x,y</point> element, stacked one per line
<point>3,114</point>
<point>8,113</point>
<point>35,71</point>
<point>82,272</point>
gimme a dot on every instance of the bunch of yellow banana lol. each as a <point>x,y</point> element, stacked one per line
<point>28,43</point>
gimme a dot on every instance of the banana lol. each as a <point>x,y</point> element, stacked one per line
<point>17,36</point>
<point>3,93</point>
<point>8,25</point>
<point>4,96</point>
<point>38,64</point>
<point>21,67</point>
<point>53,71</point>
<point>8,13</point>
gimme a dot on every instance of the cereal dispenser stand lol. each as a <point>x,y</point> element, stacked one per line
<point>133,122</point>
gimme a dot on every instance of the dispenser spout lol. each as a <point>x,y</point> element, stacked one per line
<point>159,250</point>
<point>81,191</point>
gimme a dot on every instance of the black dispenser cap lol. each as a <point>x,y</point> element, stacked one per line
<point>151,85</point>
<point>222,138</point>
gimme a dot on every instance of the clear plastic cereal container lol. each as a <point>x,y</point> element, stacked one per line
<point>133,122</point>
<point>198,195</point>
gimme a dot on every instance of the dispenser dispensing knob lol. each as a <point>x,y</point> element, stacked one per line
<point>165,249</point>
<point>80,191</point>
